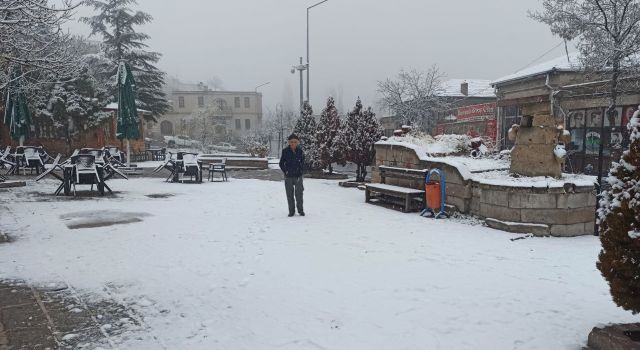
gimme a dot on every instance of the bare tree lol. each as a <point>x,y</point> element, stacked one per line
<point>414,96</point>
<point>33,46</point>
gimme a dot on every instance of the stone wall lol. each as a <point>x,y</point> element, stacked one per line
<point>540,211</point>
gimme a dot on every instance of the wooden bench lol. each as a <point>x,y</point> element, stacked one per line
<point>408,198</point>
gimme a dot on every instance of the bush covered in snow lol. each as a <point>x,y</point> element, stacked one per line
<point>440,145</point>
<point>619,218</point>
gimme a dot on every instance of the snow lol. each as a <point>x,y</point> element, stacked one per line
<point>220,266</point>
<point>634,234</point>
<point>557,64</point>
<point>477,88</point>
<point>394,188</point>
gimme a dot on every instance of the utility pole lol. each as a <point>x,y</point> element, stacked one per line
<point>301,68</point>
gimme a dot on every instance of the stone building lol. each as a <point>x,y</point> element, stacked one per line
<point>576,99</point>
<point>226,115</point>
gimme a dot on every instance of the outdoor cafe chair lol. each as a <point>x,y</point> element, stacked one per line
<point>32,159</point>
<point>6,158</point>
<point>51,172</point>
<point>190,166</point>
<point>85,164</point>
<point>219,168</point>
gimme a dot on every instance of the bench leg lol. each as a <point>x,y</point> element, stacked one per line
<point>407,204</point>
<point>367,196</point>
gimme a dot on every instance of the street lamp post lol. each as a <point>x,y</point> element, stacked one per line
<point>308,62</point>
<point>301,67</point>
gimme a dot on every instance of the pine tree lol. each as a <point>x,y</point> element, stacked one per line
<point>116,23</point>
<point>328,150</point>
<point>306,128</point>
<point>360,133</point>
<point>619,218</point>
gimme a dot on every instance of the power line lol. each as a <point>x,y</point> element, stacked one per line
<point>541,56</point>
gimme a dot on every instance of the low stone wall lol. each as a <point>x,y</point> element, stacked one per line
<point>540,211</point>
<point>238,162</point>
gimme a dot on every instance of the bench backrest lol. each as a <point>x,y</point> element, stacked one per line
<point>405,176</point>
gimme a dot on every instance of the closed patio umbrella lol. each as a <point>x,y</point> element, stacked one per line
<point>16,113</point>
<point>128,119</point>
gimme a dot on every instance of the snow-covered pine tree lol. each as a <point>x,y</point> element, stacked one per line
<point>73,104</point>
<point>328,150</point>
<point>619,217</point>
<point>116,23</point>
<point>360,133</point>
<point>306,128</point>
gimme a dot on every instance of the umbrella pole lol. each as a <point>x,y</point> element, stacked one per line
<point>128,154</point>
<point>21,141</point>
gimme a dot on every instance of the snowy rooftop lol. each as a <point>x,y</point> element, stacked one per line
<point>562,63</point>
<point>113,106</point>
<point>477,88</point>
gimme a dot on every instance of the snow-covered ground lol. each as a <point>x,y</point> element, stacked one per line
<point>220,266</point>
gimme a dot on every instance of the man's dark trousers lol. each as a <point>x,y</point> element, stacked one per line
<point>295,189</point>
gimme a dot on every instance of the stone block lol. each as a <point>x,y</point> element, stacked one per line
<point>458,190</point>
<point>500,198</point>
<point>535,160</point>
<point>490,211</point>
<point>613,338</point>
<point>574,200</point>
<point>558,216</point>
<point>528,200</point>
<point>569,230</point>
<point>458,202</point>
<point>540,230</point>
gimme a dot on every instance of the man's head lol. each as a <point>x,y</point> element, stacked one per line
<point>294,141</point>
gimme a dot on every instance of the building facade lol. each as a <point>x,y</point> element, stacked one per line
<point>576,99</point>
<point>210,116</point>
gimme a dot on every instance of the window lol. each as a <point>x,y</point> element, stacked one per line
<point>181,102</point>
<point>237,102</point>
<point>238,124</point>
<point>247,124</point>
<point>200,101</point>
<point>221,104</point>
<point>247,102</point>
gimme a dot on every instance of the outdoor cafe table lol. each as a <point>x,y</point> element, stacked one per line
<point>69,178</point>
<point>20,160</point>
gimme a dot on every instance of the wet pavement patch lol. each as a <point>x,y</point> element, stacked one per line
<point>160,195</point>
<point>102,218</point>
<point>4,238</point>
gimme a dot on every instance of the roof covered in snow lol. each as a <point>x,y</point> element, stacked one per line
<point>563,63</point>
<point>113,106</point>
<point>477,88</point>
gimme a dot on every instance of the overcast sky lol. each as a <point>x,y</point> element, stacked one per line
<point>354,43</point>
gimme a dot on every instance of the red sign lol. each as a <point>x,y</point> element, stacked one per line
<point>477,111</point>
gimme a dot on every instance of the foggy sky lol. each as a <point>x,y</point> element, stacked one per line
<point>354,43</point>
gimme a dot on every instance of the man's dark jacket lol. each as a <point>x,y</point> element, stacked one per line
<point>292,163</point>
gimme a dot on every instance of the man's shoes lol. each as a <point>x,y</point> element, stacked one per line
<point>302,213</point>
<point>291,214</point>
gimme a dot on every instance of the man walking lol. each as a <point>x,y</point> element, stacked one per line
<point>292,165</point>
